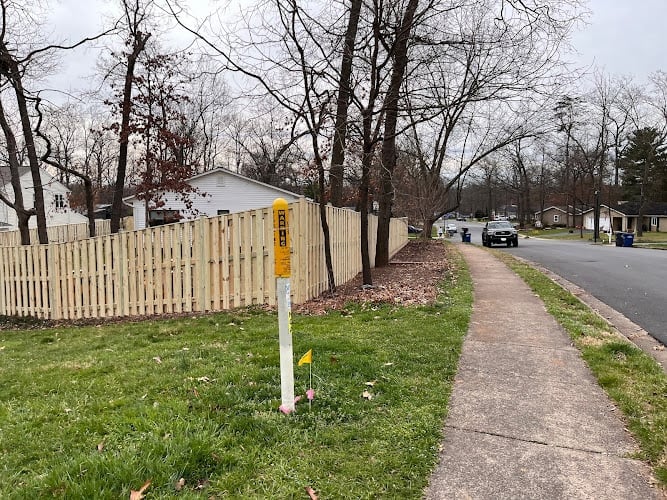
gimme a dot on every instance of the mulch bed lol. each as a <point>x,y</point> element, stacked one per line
<point>411,278</point>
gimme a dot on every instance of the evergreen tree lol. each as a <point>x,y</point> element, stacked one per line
<point>644,165</point>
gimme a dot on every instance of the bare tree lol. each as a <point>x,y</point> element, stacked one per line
<point>20,56</point>
<point>462,56</point>
<point>136,14</point>
<point>288,62</point>
<point>336,172</point>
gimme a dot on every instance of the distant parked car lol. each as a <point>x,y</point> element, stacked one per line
<point>501,232</point>
<point>451,229</point>
<point>462,219</point>
<point>414,230</point>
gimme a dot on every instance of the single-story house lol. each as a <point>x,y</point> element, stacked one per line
<point>624,217</point>
<point>609,218</point>
<point>218,192</point>
<point>559,216</point>
<point>654,217</point>
<point>56,200</point>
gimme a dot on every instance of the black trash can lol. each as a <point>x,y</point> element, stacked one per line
<point>619,238</point>
<point>465,235</point>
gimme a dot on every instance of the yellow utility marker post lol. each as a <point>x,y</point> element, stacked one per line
<point>283,268</point>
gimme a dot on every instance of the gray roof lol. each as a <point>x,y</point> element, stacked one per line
<point>6,176</point>
<point>650,208</point>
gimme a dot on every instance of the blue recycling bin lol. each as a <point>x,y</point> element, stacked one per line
<point>628,239</point>
<point>619,238</point>
<point>465,237</point>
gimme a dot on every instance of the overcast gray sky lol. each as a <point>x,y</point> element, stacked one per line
<point>627,37</point>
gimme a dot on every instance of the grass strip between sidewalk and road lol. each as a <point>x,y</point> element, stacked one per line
<point>192,404</point>
<point>631,378</point>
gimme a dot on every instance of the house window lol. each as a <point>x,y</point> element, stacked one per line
<point>654,221</point>
<point>223,212</point>
<point>556,218</point>
<point>60,200</point>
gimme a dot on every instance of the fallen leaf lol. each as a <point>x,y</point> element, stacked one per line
<point>204,379</point>
<point>371,383</point>
<point>100,446</point>
<point>157,360</point>
<point>367,395</point>
<point>388,364</point>
<point>659,347</point>
<point>311,493</point>
<point>179,484</point>
<point>138,495</point>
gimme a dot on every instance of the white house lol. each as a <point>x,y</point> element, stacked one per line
<point>219,192</point>
<point>56,200</point>
<point>625,217</point>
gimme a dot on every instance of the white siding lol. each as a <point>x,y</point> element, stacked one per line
<point>55,216</point>
<point>221,191</point>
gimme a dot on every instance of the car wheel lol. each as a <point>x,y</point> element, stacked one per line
<point>515,243</point>
<point>509,243</point>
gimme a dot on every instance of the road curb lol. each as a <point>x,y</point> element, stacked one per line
<point>618,323</point>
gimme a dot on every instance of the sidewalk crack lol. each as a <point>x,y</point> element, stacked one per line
<point>533,441</point>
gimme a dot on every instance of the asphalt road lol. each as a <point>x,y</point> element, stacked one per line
<point>631,280</point>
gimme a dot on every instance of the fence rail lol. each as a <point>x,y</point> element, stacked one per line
<point>64,233</point>
<point>209,264</point>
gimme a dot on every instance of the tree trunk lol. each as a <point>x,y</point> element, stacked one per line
<point>363,206</point>
<point>388,161</point>
<point>340,132</point>
<point>33,160</point>
<point>22,215</point>
<point>140,40</point>
<point>90,205</point>
<point>325,224</point>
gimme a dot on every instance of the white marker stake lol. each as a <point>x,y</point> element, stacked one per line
<point>281,248</point>
<point>285,337</point>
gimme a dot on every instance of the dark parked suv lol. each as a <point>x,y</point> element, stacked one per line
<point>499,232</point>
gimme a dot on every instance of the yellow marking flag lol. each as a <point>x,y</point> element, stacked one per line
<point>306,358</point>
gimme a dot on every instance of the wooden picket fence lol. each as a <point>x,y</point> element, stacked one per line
<point>209,264</point>
<point>65,233</point>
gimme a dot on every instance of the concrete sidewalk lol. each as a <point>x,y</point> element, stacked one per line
<point>526,417</point>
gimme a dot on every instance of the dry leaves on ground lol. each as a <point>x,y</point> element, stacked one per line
<point>411,278</point>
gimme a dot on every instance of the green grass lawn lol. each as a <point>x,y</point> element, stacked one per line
<point>634,380</point>
<point>94,412</point>
<point>652,239</point>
